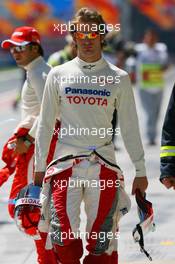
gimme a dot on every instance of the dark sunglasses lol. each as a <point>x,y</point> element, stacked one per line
<point>18,48</point>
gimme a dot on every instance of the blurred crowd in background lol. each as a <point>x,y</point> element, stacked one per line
<point>142,46</point>
<point>134,16</point>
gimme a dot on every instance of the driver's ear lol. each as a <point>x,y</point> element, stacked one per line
<point>102,36</point>
<point>74,40</point>
<point>103,42</point>
<point>74,37</point>
<point>35,48</point>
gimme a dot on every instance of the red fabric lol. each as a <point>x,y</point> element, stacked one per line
<point>20,166</point>
<point>44,256</point>
<point>19,163</point>
<point>11,160</point>
<point>59,194</point>
<point>101,259</point>
<point>20,179</point>
<point>29,219</point>
<point>9,157</point>
<point>70,254</point>
<point>5,173</point>
<point>107,197</point>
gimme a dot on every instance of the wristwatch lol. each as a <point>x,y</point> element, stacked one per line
<point>27,142</point>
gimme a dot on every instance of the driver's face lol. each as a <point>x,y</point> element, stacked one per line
<point>88,43</point>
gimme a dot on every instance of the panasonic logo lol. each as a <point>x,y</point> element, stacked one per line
<point>103,92</point>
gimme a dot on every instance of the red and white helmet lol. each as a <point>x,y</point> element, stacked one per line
<point>28,210</point>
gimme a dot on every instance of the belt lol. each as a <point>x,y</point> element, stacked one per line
<point>80,157</point>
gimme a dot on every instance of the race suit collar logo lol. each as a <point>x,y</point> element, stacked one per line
<point>89,67</point>
<point>93,66</point>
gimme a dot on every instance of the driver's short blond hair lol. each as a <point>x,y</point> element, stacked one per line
<point>86,15</point>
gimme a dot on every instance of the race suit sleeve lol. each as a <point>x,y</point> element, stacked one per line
<point>128,121</point>
<point>167,153</point>
<point>37,81</point>
<point>32,131</point>
<point>46,123</point>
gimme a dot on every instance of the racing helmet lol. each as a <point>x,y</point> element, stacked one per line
<point>28,210</point>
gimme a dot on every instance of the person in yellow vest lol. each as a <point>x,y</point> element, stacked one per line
<point>68,53</point>
<point>152,60</point>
